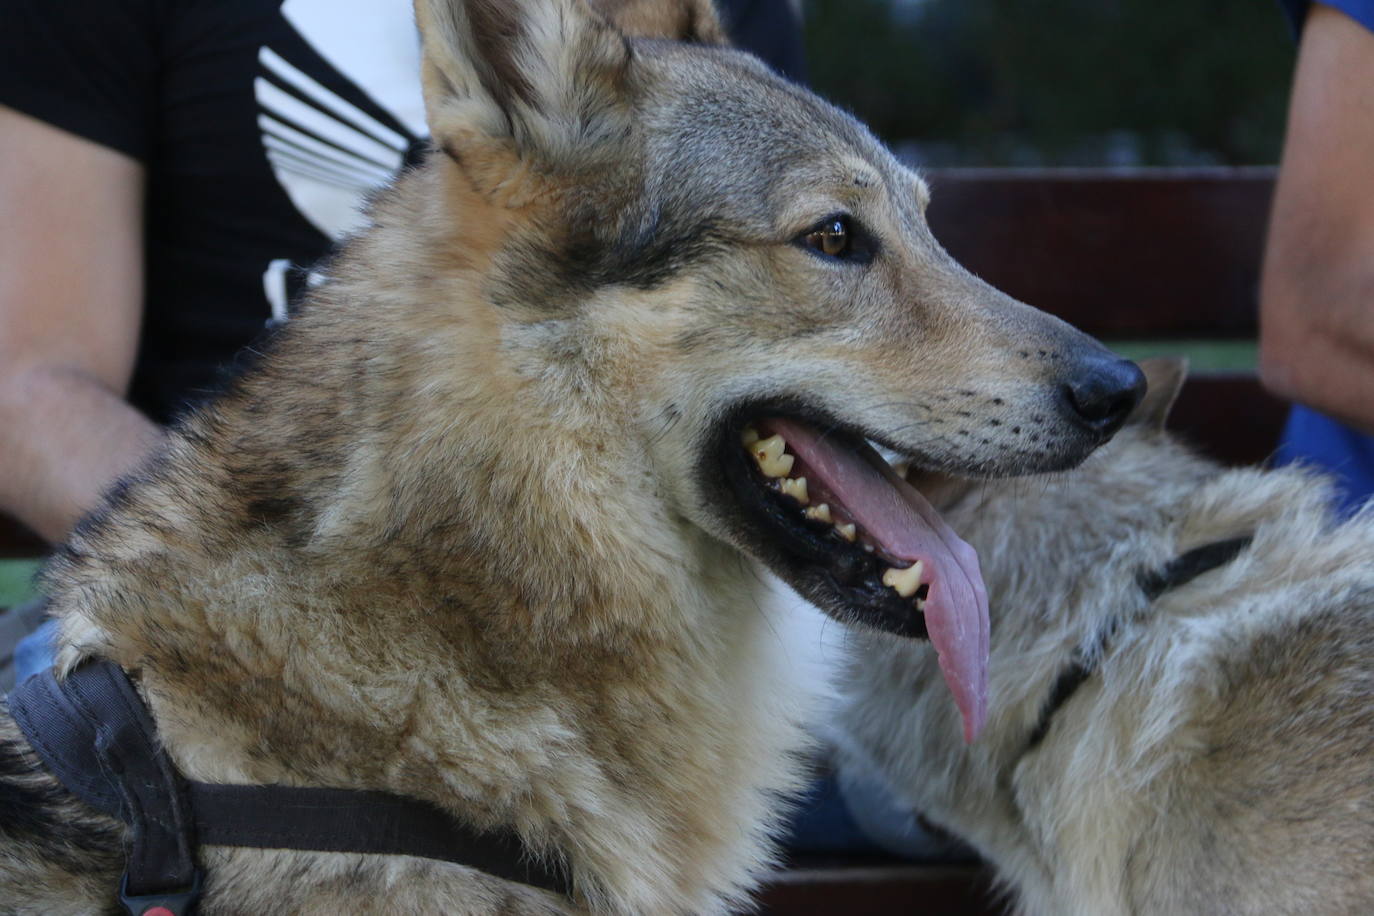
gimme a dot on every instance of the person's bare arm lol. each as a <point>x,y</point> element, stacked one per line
<point>71,300</point>
<point>1317,295</point>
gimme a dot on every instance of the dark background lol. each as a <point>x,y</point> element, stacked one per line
<point>1059,82</point>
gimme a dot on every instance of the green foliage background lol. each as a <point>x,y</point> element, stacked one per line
<point>1053,82</point>
<point>16,581</point>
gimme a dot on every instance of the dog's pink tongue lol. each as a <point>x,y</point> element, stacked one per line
<point>899,519</point>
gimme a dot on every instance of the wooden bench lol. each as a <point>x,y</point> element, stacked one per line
<point>1160,260</point>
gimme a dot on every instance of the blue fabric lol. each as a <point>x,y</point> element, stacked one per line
<point>894,827</point>
<point>822,823</point>
<point>1317,440</point>
<point>34,653</point>
<point>1362,11</point>
<point>857,816</point>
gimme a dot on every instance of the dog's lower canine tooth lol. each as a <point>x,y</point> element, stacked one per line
<point>848,532</point>
<point>920,604</point>
<point>796,488</point>
<point>771,458</point>
<point>819,513</point>
<point>905,581</point>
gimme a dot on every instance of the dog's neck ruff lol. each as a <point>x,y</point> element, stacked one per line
<point>1154,583</point>
<point>96,735</point>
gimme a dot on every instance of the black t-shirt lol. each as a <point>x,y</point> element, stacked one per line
<point>261,124</point>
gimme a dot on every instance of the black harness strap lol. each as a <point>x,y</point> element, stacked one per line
<point>95,734</point>
<point>1069,680</point>
<point>1184,569</point>
<point>118,767</point>
<point>352,820</point>
<point>1154,583</point>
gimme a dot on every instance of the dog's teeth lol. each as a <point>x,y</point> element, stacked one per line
<point>848,532</point>
<point>795,487</point>
<point>819,513</point>
<point>749,436</point>
<point>920,604</point>
<point>905,581</point>
<point>868,548</point>
<point>770,448</point>
<point>771,458</point>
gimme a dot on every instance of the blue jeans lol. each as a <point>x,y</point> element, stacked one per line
<point>1318,441</point>
<point>857,816</point>
<point>34,653</point>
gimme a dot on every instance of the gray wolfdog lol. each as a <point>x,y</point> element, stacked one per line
<point>480,526</point>
<point>1182,685</point>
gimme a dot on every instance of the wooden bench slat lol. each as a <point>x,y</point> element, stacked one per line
<point>1130,253</point>
<point>1229,416</point>
<point>17,541</point>
<point>931,890</point>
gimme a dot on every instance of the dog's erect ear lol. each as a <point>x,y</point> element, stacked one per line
<point>544,79</point>
<point>1164,378</point>
<point>681,20</point>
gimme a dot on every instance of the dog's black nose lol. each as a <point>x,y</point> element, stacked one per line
<point>1103,391</point>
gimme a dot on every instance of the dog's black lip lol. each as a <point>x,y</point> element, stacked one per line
<point>848,568</point>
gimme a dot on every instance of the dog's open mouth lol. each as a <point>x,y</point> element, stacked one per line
<point>879,551</point>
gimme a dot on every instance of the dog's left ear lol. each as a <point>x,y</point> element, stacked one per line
<point>511,84</point>
<point>1164,378</point>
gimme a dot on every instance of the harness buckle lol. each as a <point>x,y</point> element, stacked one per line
<point>177,903</point>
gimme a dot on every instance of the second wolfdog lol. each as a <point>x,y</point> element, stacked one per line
<point>480,527</point>
<point>1182,688</point>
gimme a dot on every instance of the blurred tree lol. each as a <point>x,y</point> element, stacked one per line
<point>1060,81</point>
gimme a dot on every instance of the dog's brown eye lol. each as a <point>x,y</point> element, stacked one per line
<point>839,237</point>
<point>831,237</point>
